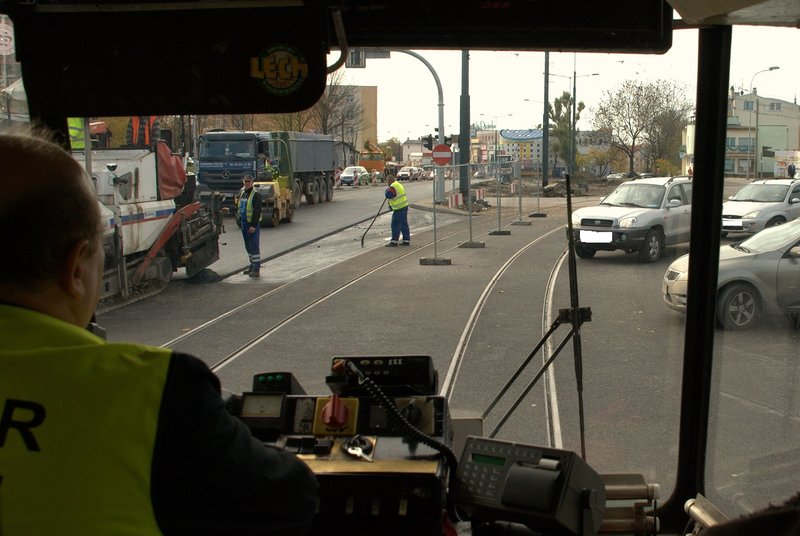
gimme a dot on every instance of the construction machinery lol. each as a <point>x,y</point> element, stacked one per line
<point>153,224</point>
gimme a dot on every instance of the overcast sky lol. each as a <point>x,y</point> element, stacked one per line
<point>501,81</point>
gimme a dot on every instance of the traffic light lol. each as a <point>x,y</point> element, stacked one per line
<point>427,141</point>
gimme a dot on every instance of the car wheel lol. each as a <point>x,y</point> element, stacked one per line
<point>584,252</point>
<point>330,189</point>
<point>738,307</point>
<point>653,247</point>
<point>777,220</point>
<point>723,234</point>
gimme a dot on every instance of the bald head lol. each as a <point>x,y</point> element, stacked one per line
<point>46,207</point>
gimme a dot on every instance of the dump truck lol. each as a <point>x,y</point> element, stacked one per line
<point>302,162</point>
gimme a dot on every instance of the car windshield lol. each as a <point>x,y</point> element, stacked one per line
<point>350,170</point>
<point>762,193</point>
<point>772,238</point>
<point>634,194</point>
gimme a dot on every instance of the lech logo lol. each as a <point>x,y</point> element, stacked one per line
<point>280,68</point>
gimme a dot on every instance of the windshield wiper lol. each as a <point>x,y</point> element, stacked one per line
<point>747,200</point>
<point>740,247</point>
<point>631,205</point>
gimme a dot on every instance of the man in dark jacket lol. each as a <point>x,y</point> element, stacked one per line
<point>250,219</point>
<point>111,438</point>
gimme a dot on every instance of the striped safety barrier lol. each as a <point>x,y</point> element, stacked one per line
<point>455,200</point>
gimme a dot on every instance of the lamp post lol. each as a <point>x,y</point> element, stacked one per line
<point>573,114</point>
<point>574,147</point>
<point>750,121</point>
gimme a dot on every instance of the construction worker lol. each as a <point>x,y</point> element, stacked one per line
<point>396,195</point>
<point>250,218</point>
<point>143,131</point>
<point>111,438</point>
<point>76,138</point>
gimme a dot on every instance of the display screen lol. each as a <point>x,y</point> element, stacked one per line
<point>488,460</point>
<point>262,404</point>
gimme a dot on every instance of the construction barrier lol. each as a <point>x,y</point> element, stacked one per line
<point>455,200</point>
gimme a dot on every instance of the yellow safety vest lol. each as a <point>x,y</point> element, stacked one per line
<point>249,207</point>
<point>77,429</point>
<point>76,140</point>
<point>400,200</point>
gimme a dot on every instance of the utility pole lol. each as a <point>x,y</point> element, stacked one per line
<point>546,120</point>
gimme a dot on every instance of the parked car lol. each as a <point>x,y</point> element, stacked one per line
<point>406,173</point>
<point>756,276</point>
<point>761,204</point>
<point>351,174</point>
<point>640,216</point>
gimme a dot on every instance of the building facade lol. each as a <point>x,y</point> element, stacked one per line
<point>757,127</point>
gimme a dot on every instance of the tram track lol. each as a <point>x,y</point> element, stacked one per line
<point>274,326</point>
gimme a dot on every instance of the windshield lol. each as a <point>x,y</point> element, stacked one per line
<point>772,238</point>
<point>322,293</point>
<point>762,193</point>
<point>227,148</point>
<point>636,195</point>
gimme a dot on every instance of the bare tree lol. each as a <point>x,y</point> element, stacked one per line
<point>339,112</point>
<point>644,116</point>
<point>242,121</point>
<point>339,107</point>
<point>293,122</point>
<point>663,140</point>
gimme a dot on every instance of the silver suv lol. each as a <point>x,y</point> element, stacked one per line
<point>761,204</point>
<point>640,216</point>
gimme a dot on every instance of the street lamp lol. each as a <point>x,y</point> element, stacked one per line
<point>574,113</point>
<point>750,122</point>
<point>574,149</point>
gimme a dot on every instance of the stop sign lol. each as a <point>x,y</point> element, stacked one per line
<point>442,154</point>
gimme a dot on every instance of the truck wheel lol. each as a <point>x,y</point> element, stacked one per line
<point>323,190</point>
<point>297,193</point>
<point>330,189</point>
<point>312,198</point>
<point>289,214</point>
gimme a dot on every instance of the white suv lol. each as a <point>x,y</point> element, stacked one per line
<point>761,204</point>
<point>640,216</point>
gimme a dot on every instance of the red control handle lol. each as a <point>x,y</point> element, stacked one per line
<point>335,412</point>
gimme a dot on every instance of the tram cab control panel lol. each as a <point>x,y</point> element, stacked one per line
<point>375,453</point>
<point>379,445</point>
